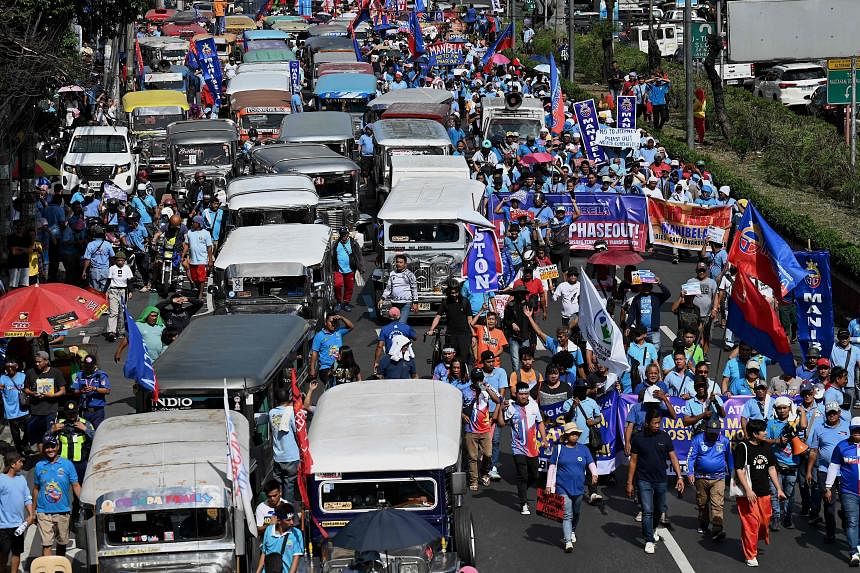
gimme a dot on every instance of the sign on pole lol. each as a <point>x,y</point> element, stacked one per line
<point>683,3</point>
<point>699,41</point>
<point>838,78</point>
<point>295,78</point>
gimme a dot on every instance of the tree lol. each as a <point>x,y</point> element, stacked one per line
<point>607,40</point>
<point>715,45</point>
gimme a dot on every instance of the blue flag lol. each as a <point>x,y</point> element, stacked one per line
<point>626,107</point>
<point>814,299</point>
<point>210,65</point>
<point>138,364</point>
<point>483,263</point>
<point>586,116</point>
<point>358,55</point>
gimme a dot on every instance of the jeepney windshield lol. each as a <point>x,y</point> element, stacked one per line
<point>192,155</point>
<point>424,232</point>
<point>270,120</point>
<point>258,287</point>
<point>155,118</point>
<point>259,217</point>
<point>165,526</point>
<point>525,126</point>
<point>173,53</point>
<point>347,105</point>
<point>334,184</point>
<point>166,84</point>
<point>355,495</point>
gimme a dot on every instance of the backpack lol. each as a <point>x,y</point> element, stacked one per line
<point>688,318</point>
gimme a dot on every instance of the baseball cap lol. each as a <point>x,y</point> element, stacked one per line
<point>606,179</point>
<point>832,407</point>
<point>198,219</point>
<point>343,231</point>
<point>486,144</point>
<point>726,190</point>
<point>823,362</point>
<point>806,387</point>
<point>819,391</point>
<point>713,425</point>
<point>855,423</point>
<point>753,365</point>
<point>560,208</point>
<point>813,352</point>
<point>49,441</point>
<point>653,179</point>
<point>843,334</point>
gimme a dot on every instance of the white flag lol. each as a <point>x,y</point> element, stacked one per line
<point>237,471</point>
<point>598,328</point>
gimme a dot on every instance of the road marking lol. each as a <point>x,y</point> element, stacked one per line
<point>85,339</point>
<point>668,332</point>
<point>675,551</point>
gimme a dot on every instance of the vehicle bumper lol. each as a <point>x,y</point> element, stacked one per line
<point>124,181</point>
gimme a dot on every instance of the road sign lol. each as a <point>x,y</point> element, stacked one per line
<point>699,41</point>
<point>839,88</point>
<point>839,64</point>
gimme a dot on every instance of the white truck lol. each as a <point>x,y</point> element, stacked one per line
<point>429,166</point>
<point>514,112</point>
<point>97,154</point>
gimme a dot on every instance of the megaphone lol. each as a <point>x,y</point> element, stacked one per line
<point>513,100</point>
<point>798,446</point>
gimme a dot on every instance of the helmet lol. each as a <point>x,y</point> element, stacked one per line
<point>199,174</point>
<point>166,212</point>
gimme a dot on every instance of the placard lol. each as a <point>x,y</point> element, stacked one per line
<point>548,272</point>
<point>550,505</point>
<point>643,276</point>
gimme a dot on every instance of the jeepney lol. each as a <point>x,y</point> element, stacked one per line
<point>438,112</point>
<point>282,269</point>
<point>404,137</point>
<point>523,115</point>
<point>345,92</point>
<point>328,30</point>
<point>252,355</point>
<point>264,110</point>
<point>414,434</point>
<point>238,23</point>
<point>335,177</point>
<point>271,22</point>
<point>279,55</point>
<point>423,96</point>
<point>429,166</point>
<point>330,128</point>
<point>296,30</point>
<point>184,30</point>
<point>325,44</point>
<point>154,49</point>
<point>157,496</point>
<point>254,200</point>
<point>207,145</point>
<point>263,39</point>
<point>425,219</point>
<point>330,56</point>
<point>148,115</point>
<point>166,77</point>
<point>344,67</point>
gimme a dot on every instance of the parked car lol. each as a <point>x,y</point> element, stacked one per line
<point>817,106</point>
<point>790,83</point>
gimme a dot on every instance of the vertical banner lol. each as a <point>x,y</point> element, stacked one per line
<point>586,117</point>
<point>210,66</point>
<point>626,106</point>
<point>483,263</point>
<point>295,77</point>
<point>814,299</point>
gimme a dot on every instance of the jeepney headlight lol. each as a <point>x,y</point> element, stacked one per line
<point>123,168</point>
<point>70,168</point>
<point>408,568</point>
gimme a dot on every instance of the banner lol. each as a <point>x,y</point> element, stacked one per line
<point>445,54</point>
<point>483,263</point>
<point>295,77</point>
<point>620,220</point>
<point>684,225</point>
<point>814,299</point>
<point>210,66</point>
<point>599,329</point>
<point>626,109</point>
<point>617,137</point>
<point>586,117</point>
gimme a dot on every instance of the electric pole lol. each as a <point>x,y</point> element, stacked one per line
<point>688,69</point>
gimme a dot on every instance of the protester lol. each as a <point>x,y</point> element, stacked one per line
<point>55,485</point>
<point>709,462</point>
<point>326,345</point>
<point>285,448</point>
<point>825,436</point>
<point>478,428</point>
<point>843,466</point>
<point>16,412</point>
<point>16,511</point>
<point>567,474</point>
<point>523,415</point>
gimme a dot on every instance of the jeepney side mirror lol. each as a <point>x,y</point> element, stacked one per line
<point>458,483</point>
<point>214,290</point>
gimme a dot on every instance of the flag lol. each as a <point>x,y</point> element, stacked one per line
<point>557,99</point>
<point>138,364</point>
<point>599,329</point>
<point>760,252</point>
<point>419,6</point>
<point>306,462</point>
<point>265,8</point>
<point>210,65</point>
<point>238,470</point>
<point>505,41</point>
<point>358,55</point>
<point>139,57</point>
<point>814,298</point>
<point>493,22</point>
<point>753,320</point>
<point>362,16</point>
<point>482,265</point>
<point>416,38</point>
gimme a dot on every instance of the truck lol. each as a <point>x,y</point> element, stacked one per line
<point>514,112</point>
<point>97,154</point>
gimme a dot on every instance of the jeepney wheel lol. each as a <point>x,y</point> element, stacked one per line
<point>464,535</point>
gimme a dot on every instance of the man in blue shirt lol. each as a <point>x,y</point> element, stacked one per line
<point>325,348</point>
<point>454,132</point>
<point>285,448</point>
<point>388,332</point>
<point>97,261</point>
<point>758,407</point>
<point>296,103</point>
<point>644,310</point>
<point>716,258</point>
<point>823,437</point>
<point>779,431</point>
<point>658,88</point>
<point>16,499</point>
<point>144,204</point>
<point>92,385</point>
<point>844,465</point>
<point>55,482</point>
<point>365,148</point>
<point>709,460</point>
<point>844,354</point>
<point>12,386</point>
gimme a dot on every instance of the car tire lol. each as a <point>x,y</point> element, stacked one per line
<point>464,535</point>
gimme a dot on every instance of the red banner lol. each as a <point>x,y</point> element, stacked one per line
<point>686,225</point>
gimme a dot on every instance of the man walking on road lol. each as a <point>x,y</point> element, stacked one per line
<point>347,262</point>
<point>648,454</point>
<point>526,423</point>
<point>708,463</point>
<point>845,466</point>
<point>401,288</point>
<point>55,485</point>
<point>824,436</point>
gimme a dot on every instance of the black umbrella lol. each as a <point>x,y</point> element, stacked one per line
<point>384,530</point>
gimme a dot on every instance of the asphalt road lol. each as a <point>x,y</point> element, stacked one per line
<point>608,536</point>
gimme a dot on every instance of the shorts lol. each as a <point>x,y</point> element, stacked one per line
<point>198,273</point>
<point>11,543</point>
<point>19,277</point>
<point>53,527</point>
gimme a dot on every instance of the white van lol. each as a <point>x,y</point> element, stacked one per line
<point>667,36</point>
<point>420,166</point>
<point>99,153</point>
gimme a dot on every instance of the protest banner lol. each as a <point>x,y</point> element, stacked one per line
<point>626,107</point>
<point>814,298</point>
<point>550,505</point>
<point>617,137</point>
<point>445,54</point>
<point>586,117</point>
<point>685,225</point>
<point>620,220</point>
<point>548,272</point>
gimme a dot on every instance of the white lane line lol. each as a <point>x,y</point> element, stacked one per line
<point>85,339</point>
<point>675,551</point>
<point>668,332</point>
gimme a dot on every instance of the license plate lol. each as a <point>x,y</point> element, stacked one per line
<point>423,306</point>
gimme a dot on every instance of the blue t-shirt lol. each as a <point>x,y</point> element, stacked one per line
<point>825,438</point>
<point>99,379</point>
<point>679,383</point>
<point>328,345</point>
<point>657,92</point>
<point>272,543</point>
<point>782,453</point>
<point>497,380</point>
<point>754,410</point>
<point>284,445</point>
<point>390,330</point>
<point>14,495</point>
<point>99,252</point>
<point>365,142</point>
<point>571,463</point>
<point>11,388</point>
<point>140,206</point>
<point>198,246</point>
<point>343,251</point>
<point>592,410</point>
<point>845,358</point>
<point>54,480</point>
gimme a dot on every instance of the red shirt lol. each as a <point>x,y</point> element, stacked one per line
<point>534,286</point>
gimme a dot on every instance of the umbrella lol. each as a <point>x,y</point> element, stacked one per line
<point>615,257</point>
<point>68,89</point>
<point>48,308</point>
<point>384,530</point>
<point>499,59</point>
<point>535,158</point>
<point>543,68</point>
<point>46,169</point>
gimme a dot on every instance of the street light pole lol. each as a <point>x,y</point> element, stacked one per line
<point>853,83</point>
<point>571,30</point>
<point>688,68</point>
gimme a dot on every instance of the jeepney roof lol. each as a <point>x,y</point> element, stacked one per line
<point>328,30</point>
<point>332,56</point>
<point>436,111</point>
<point>240,19</point>
<point>411,95</point>
<point>273,250</point>
<point>162,41</point>
<point>274,200</point>
<point>442,198</point>
<point>260,98</point>
<point>291,27</point>
<point>410,133</point>
<point>269,55</point>
<point>264,35</point>
<point>252,81</point>
<point>154,98</point>
<point>302,158</point>
<point>316,126</point>
<point>322,43</point>
<point>249,184</point>
<point>201,131</point>
<point>256,67</point>
<point>159,450</point>
<point>345,86</point>
<point>222,39</point>
<point>269,20</point>
<point>406,424</point>
<point>340,67</point>
<point>243,349</point>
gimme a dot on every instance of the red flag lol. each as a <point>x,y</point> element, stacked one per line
<point>306,462</point>
<point>139,57</point>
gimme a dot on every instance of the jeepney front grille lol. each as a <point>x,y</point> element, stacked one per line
<point>336,217</point>
<point>96,172</point>
<point>432,273</point>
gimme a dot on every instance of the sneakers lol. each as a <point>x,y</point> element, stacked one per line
<point>854,561</point>
<point>649,548</point>
<point>494,474</point>
<point>638,517</point>
<point>473,487</point>
<point>568,546</point>
<point>656,537</point>
<point>485,481</point>
<point>573,537</point>
<point>595,497</point>
<point>752,562</point>
<point>664,519</point>
<point>347,307</point>
<point>525,510</point>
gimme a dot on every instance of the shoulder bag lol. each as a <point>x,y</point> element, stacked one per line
<point>595,439</point>
<point>735,489</point>
<point>274,562</point>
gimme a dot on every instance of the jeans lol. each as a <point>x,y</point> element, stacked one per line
<point>515,346</point>
<point>661,115</point>
<point>572,505</point>
<point>782,509</point>
<point>805,488</point>
<point>527,475</point>
<point>286,472</point>
<point>98,278</point>
<point>851,508</point>
<point>652,498</point>
<point>829,508</point>
<point>497,446</point>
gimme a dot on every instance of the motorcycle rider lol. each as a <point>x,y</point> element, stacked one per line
<point>199,193</point>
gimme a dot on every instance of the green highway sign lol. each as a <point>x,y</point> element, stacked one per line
<point>699,41</point>
<point>839,88</point>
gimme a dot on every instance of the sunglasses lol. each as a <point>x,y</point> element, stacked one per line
<point>701,270</point>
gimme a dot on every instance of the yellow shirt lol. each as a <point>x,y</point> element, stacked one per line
<point>699,108</point>
<point>35,257</point>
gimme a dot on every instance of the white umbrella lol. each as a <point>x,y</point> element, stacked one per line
<point>542,68</point>
<point>66,89</point>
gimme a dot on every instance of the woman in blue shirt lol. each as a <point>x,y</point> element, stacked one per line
<point>11,384</point>
<point>566,476</point>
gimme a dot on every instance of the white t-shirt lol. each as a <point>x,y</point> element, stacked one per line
<point>569,295</point>
<point>119,276</point>
<point>263,514</point>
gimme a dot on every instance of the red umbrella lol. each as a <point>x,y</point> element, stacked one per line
<point>500,59</point>
<point>534,158</point>
<point>615,257</point>
<point>48,308</point>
